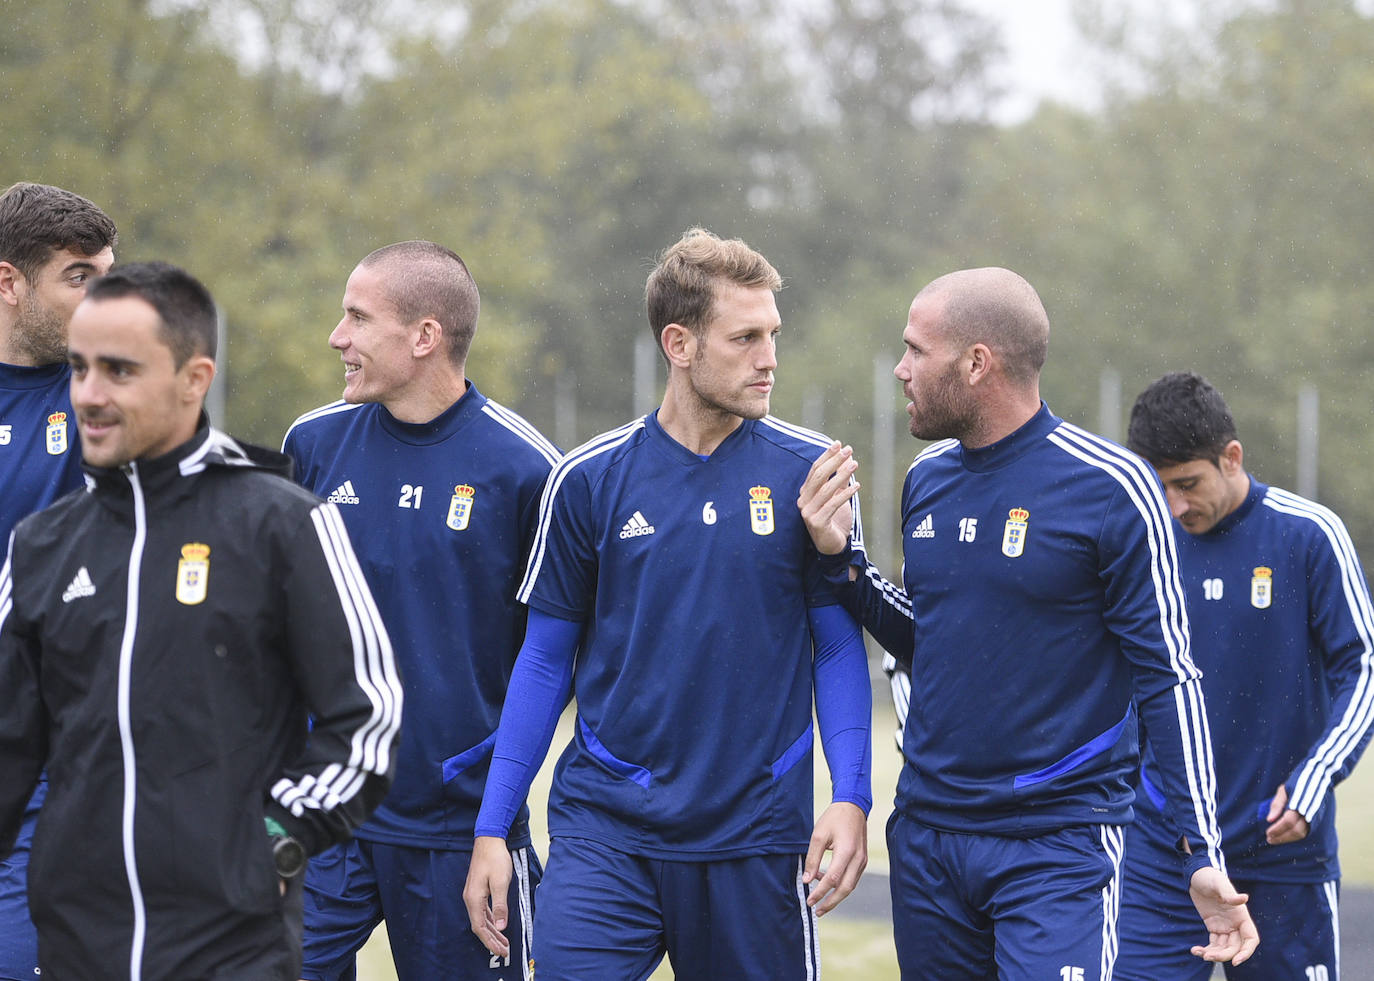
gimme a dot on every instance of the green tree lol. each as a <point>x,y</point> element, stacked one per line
<point>1215,219</point>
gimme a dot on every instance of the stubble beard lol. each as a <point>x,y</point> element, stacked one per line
<point>40,334</point>
<point>742,407</point>
<point>744,404</point>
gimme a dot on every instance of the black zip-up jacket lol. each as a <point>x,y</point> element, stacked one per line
<point>164,635</point>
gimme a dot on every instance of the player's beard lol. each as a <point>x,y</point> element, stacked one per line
<point>40,334</point>
<point>716,393</point>
<point>945,410</point>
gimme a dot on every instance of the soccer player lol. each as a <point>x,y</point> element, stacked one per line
<point>52,243</point>
<point>166,632</point>
<point>439,487</point>
<point>673,588</point>
<point>1282,629</point>
<point>1041,582</point>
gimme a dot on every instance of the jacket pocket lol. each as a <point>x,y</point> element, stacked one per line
<point>220,849</point>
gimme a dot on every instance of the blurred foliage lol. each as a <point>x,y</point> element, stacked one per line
<point>1215,222</point>
<point>1211,214</point>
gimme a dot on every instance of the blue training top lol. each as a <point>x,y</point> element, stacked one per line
<point>697,596</point>
<point>1041,574</point>
<point>1282,629</point>
<point>40,455</point>
<point>40,458</point>
<point>441,515</point>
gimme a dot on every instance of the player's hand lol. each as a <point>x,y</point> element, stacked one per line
<point>1231,934</point>
<point>824,499</point>
<point>1285,824</point>
<point>843,831</point>
<point>485,892</point>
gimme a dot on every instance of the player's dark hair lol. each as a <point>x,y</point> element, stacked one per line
<point>183,304</point>
<point>682,287</point>
<point>1180,418</point>
<point>425,279</point>
<point>37,220</point>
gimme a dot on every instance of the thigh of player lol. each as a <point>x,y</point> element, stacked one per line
<point>939,931</point>
<point>1297,924</point>
<point>1159,925</point>
<point>18,940</point>
<point>598,914</point>
<point>427,924</point>
<point>743,919</point>
<point>1054,901</point>
<point>341,909</point>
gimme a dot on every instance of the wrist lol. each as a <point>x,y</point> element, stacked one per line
<point>855,799</point>
<point>835,566</point>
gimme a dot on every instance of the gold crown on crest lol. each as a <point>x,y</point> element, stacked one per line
<point>57,417</point>
<point>465,490</point>
<point>195,550</point>
<point>1018,514</point>
<point>760,493</point>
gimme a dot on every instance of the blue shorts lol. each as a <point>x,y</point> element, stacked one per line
<point>1159,924</point>
<point>352,887</point>
<point>975,907</point>
<point>18,941</point>
<point>606,914</point>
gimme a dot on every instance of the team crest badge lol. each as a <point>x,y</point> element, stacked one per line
<point>1262,587</point>
<point>460,506</point>
<point>193,573</point>
<point>57,433</point>
<point>761,510</point>
<point>1014,533</point>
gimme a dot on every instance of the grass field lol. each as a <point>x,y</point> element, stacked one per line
<point>861,950</point>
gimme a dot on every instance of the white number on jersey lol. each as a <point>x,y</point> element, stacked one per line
<point>708,513</point>
<point>968,529</point>
<point>497,961</point>
<point>410,496</point>
<point>1070,974</point>
<point>1317,972</point>
<point>5,435</point>
<point>1211,589</point>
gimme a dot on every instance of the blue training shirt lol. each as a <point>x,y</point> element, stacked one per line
<point>1041,576</point>
<point>440,514</point>
<point>1282,629</point>
<point>694,587</point>
<point>40,457</point>
<point>40,454</point>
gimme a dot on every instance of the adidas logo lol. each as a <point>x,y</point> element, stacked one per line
<point>79,587</point>
<point>636,526</point>
<point>926,529</point>
<point>343,494</point>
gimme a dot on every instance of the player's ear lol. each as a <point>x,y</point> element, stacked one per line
<point>979,363</point>
<point>679,344</point>
<point>196,375</point>
<point>10,278</point>
<point>1232,458</point>
<point>429,338</point>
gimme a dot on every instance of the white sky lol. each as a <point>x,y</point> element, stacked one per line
<point>1047,56</point>
<point>1044,49</point>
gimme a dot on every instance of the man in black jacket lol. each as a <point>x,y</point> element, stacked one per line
<point>164,635</point>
